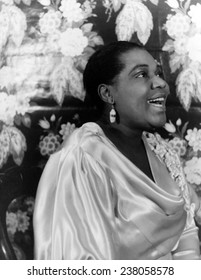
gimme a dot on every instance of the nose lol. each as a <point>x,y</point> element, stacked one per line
<point>158,82</point>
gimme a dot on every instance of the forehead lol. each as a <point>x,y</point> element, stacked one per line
<point>137,57</point>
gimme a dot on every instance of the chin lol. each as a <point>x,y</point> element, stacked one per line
<point>157,124</point>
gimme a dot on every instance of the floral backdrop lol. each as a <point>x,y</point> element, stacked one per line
<point>44,48</point>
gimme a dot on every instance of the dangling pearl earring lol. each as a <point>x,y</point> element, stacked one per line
<point>112,114</point>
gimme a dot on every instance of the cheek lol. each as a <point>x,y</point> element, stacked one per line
<point>133,97</point>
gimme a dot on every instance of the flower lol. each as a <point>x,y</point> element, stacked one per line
<point>8,2</point>
<point>53,118</point>
<point>180,45</point>
<point>66,130</point>
<point>194,13</point>
<point>184,28</point>
<point>56,133</point>
<point>170,127</point>
<point>44,124</point>
<point>22,104</point>
<point>88,7</point>
<point>187,145</point>
<point>194,47</point>
<point>49,144</point>
<point>11,223</point>
<point>192,170</point>
<point>178,145</point>
<point>19,219</point>
<point>194,138</point>
<point>72,11</point>
<point>50,22</point>
<point>178,122</point>
<point>49,52</point>
<point>177,25</point>
<point>23,220</point>
<point>29,202</point>
<point>8,108</point>
<point>72,42</point>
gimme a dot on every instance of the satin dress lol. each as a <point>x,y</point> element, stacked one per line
<point>93,203</point>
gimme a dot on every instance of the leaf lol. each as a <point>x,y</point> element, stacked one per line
<point>186,82</point>
<point>87,27</point>
<point>125,23</point>
<point>116,5</point>
<point>75,83</point>
<point>175,62</point>
<point>17,144</point>
<point>197,70</point>
<point>134,17</point>
<point>58,83</point>
<point>18,25</point>
<point>18,120</point>
<point>27,2</point>
<point>144,21</point>
<point>187,5</point>
<point>172,4</point>
<point>155,2</point>
<point>168,46</point>
<point>184,129</point>
<point>94,40</point>
<point>26,120</point>
<point>7,77</point>
<point>5,145</point>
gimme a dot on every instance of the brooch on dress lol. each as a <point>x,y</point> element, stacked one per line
<point>171,159</point>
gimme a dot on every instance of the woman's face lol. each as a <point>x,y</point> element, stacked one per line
<point>139,92</point>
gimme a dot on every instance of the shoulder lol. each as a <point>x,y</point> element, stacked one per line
<point>88,139</point>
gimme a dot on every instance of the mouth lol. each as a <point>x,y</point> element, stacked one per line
<point>157,102</point>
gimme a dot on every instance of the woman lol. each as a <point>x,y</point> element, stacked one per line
<point>114,191</point>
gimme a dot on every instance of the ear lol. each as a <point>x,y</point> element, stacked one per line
<point>105,94</point>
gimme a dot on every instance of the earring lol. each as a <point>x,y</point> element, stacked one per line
<point>112,114</point>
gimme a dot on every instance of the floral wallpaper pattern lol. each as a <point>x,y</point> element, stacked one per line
<point>44,48</point>
<point>187,144</point>
<point>46,57</point>
<point>183,26</point>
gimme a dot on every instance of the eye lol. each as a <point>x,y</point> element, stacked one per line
<point>159,73</point>
<point>141,74</point>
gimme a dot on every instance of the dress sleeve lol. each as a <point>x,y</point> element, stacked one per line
<point>79,222</point>
<point>188,247</point>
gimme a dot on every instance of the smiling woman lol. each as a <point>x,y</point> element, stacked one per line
<point>137,89</point>
<point>116,190</point>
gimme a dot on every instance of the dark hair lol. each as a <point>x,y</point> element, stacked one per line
<point>103,67</point>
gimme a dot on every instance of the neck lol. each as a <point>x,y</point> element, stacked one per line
<point>121,132</point>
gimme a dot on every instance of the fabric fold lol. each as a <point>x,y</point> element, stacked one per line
<point>93,203</point>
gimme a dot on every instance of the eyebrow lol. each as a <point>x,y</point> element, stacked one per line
<point>141,66</point>
<point>138,66</point>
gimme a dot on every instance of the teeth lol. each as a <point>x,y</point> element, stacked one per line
<point>157,101</point>
<point>160,99</point>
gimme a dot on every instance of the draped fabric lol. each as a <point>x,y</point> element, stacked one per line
<point>93,203</point>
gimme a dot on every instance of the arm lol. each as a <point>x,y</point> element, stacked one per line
<point>74,213</point>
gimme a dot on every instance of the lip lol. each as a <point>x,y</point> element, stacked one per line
<point>158,100</point>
